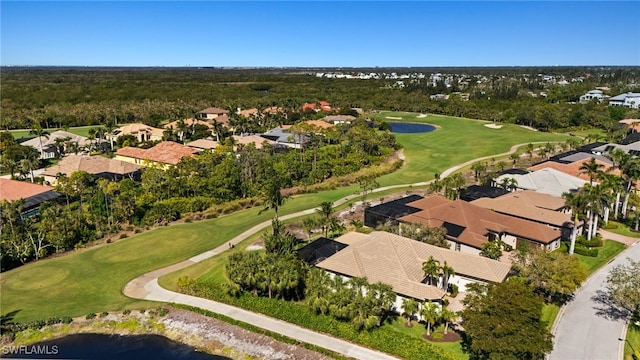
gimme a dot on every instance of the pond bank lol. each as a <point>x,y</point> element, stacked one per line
<point>201,332</point>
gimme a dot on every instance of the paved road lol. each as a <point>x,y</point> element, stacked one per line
<point>588,327</point>
<point>146,287</point>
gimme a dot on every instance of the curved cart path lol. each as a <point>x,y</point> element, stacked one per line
<point>146,287</point>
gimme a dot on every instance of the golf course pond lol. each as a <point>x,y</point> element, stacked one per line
<point>410,128</point>
<point>108,347</point>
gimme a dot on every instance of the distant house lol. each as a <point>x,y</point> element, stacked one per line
<point>397,261</point>
<point>632,124</point>
<point>630,100</point>
<point>319,106</point>
<point>100,167</point>
<point>211,113</point>
<point>49,147</point>
<point>257,140</point>
<point>317,123</point>
<point>164,154</point>
<point>283,137</point>
<point>140,131</point>
<point>339,119</point>
<point>190,122</point>
<point>593,94</point>
<point>32,194</point>
<point>573,168</point>
<point>203,144</point>
<point>630,148</point>
<point>547,181</point>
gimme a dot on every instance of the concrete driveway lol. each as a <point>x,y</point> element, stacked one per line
<point>589,326</point>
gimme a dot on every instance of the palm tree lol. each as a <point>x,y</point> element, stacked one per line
<point>91,135</point>
<point>325,210</point>
<point>630,172</point>
<point>431,269</point>
<point>410,307</point>
<point>109,127</point>
<point>514,159</point>
<point>447,316</point>
<point>272,197</point>
<point>615,185</point>
<point>447,273</point>
<point>576,203</point>
<point>38,131</point>
<point>592,169</point>
<point>429,314</point>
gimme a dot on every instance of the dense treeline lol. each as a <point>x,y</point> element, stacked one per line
<point>65,97</point>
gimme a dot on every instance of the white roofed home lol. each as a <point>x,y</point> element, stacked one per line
<point>630,100</point>
<point>397,261</point>
<point>593,94</point>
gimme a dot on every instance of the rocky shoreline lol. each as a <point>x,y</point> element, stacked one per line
<point>204,333</point>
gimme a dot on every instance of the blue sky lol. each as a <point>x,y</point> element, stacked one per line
<point>323,34</point>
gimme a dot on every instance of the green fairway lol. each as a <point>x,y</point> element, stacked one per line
<point>82,131</point>
<point>454,141</point>
<point>92,280</point>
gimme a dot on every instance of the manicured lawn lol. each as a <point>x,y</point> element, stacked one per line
<point>452,348</point>
<point>92,280</point>
<point>622,229</point>
<point>607,252</point>
<point>454,141</point>
<point>633,336</point>
<point>549,314</point>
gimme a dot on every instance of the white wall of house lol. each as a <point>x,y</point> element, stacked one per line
<point>453,245</point>
<point>462,281</point>
<point>509,240</point>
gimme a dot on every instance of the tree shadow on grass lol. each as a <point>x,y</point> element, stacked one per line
<point>607,308</point>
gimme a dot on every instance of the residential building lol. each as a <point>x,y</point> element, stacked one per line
<point>547,181</point>
<point>258,140</point>
<point>190,122</point>
<point>339,119</point>
<point>140,131</point>
<point>314,123</point>
<point>632,124</point>
<point>98,166</point>
<point>203,144</point>
<point>470,226</point>
<point>630,100</point>
<point>572,168</point>
<point>33,195</point>
<point>630,148</point>
<point>534,206</point>
<point>593,94</point>
<point>211,113</point>
<point>48,146</point>
<point>283,137</point>
<point>164,154</point>
<point>397,261</point>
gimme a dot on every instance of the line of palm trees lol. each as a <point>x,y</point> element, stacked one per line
<point>596,200</point>
<point>429,312</point>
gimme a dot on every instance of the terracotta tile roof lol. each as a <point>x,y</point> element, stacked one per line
<point>629,121</point>
<point>573,168</point>
<point>397,261</point>
<point>35,142</point>
<point>213,110</point>
<point>308,106</point>
<point>475,222</point>
<point>248,112</point>
<point>11,190</point>
<point>529,204</point>
<point>166,152</point>
<point>91,164</point>
<point>339,118</point>
<point>203,144</point>
<point>319,123</point>
<point>252,139</point>
<point>136,128</point>
<point>221,119</point>
<point>188,122</point>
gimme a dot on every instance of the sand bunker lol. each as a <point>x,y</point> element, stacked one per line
<point>393,117</point>
<point>421,116</point>
<point>493,126</point>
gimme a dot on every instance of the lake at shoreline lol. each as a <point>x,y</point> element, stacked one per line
<point>107,347</point>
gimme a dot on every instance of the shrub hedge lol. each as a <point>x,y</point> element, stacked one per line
<point>401,345</point>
